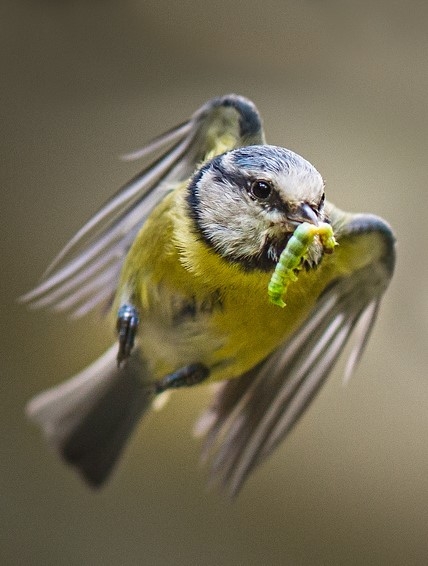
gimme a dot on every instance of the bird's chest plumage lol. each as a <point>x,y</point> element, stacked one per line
<point>229,330</point>
<point>177,328</point>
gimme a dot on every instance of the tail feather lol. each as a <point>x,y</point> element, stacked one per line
<point>89,418</point>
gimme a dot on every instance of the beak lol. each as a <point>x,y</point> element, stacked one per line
<point>304,213</point>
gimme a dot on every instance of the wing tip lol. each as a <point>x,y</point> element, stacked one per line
<point>373,223</point>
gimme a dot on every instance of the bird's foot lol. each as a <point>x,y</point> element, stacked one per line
<point>184,377</point>
<point>127,326</point>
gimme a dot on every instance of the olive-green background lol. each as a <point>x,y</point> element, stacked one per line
<point>343,83</point>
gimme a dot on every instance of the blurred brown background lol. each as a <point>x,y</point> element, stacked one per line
<point>344,84</point>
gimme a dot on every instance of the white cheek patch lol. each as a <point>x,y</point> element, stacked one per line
<point>228,218</point>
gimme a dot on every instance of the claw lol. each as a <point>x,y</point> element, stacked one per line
<point>127,326</point>
<point>184,377</point>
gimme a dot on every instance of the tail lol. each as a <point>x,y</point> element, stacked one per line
<point>89,418</point>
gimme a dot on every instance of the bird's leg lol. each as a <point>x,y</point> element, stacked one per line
<point>127,326</point>
<point>183,377</point>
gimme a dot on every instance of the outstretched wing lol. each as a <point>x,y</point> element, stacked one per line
<point>86,271</point>
<point>251,415</point>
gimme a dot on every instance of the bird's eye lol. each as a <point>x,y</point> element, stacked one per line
<point>260,190</point>
<point>322,200</point>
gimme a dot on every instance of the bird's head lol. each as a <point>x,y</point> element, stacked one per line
<point>246,203</point>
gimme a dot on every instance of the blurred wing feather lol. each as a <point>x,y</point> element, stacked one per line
<point>85,273</point>
<point>251,415</point>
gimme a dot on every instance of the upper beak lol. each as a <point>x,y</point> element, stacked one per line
<point>304,213</point>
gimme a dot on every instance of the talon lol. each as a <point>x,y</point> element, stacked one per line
<point>184,377</point>
<point>127,326</point>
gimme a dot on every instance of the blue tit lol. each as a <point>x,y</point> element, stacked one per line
<point>183,255</point>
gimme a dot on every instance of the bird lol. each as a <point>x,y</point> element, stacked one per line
<point>181,257</point>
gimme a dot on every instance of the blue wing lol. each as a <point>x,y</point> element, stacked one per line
<point>251,415</point>
<point>85,273</point>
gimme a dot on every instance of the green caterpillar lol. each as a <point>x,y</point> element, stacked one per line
<point>291,257</point>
